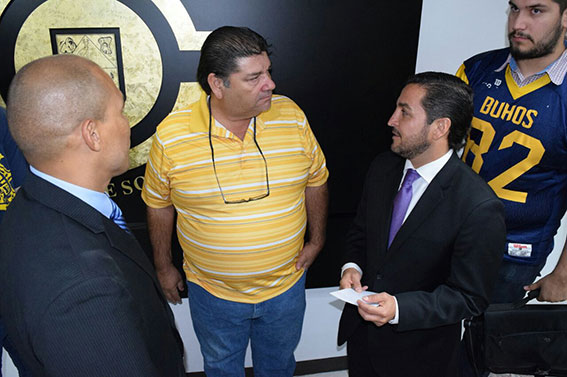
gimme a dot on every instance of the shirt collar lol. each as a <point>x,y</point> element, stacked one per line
<point>430,170</point>
<point>98,200</point>
<point>556,70</point>
<point>218,129</point>
<point>504,64</point>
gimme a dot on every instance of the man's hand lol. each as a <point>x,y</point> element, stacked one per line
<point>307,256</point>
<point>553,287</point>
<point>351,279</point>
<point>379,315</point>
<point>170,281</point>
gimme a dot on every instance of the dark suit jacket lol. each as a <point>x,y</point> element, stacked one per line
<point>79,296</point>
<point>440,266</point>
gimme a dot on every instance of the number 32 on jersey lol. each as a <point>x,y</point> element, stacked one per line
<point>536,151</point>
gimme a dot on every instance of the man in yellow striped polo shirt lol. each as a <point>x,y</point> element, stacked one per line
<point>247,178</point>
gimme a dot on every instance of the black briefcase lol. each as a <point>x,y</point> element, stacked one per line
<point>519,338</point>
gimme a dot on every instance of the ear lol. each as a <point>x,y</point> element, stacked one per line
<point>440,129</point>
<point>90,134</point>
<point>564,20</point>
<point>216,84</point>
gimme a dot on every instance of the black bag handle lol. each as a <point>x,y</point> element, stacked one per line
<point>514,305</point>
<point>531,295</point>
<point>470,341</point>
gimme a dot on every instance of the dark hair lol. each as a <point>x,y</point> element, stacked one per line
<point>221,50</point>
<point>447,96</point>
<point>562,5</point>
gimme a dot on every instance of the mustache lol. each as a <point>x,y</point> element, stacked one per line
<point>520,34</point>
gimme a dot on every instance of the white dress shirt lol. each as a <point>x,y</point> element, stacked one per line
<point>98,200</point>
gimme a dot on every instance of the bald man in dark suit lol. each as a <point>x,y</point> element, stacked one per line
<point>79,296</point>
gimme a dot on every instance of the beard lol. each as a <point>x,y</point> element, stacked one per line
<point>540,49</point>
<point>413,146</point>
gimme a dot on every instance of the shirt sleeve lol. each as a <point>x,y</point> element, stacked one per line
<point>318,172</point>
<point>156,192</point>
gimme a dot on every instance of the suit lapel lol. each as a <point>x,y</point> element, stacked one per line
<point>431,198</point>
<point>391,181</point>
<point>128,245</point>
<point>72,207</point>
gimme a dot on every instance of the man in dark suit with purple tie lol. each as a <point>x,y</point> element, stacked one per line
<point>427,238</point>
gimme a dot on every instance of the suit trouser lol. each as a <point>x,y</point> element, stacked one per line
<point>359,364</point>
<point>382,361</point>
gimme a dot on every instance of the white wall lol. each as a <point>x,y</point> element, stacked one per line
<point>451,31</point>
<point>454,30</point>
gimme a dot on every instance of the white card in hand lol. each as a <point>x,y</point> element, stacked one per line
<point>351,296</point>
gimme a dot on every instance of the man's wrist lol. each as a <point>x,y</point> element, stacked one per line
<point>396,319</point>
<point>163,267</point>
<point>317,243</point>
<point>348,265</point>
<point>560,273</point>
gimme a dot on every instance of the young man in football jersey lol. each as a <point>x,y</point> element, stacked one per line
<point>518,142</point>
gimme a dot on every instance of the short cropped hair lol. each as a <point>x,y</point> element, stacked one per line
<point>49,98</point>
<point>447,96</point>
<point>221,50</point>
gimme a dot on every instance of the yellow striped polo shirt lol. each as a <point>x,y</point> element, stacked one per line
<point>244,252</point>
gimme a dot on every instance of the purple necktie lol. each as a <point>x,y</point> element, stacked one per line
<point>401,203</point>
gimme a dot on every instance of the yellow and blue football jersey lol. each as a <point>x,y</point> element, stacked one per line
<point>518,144</point>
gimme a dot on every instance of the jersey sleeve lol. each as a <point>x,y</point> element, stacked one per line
<point>462,74</point>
